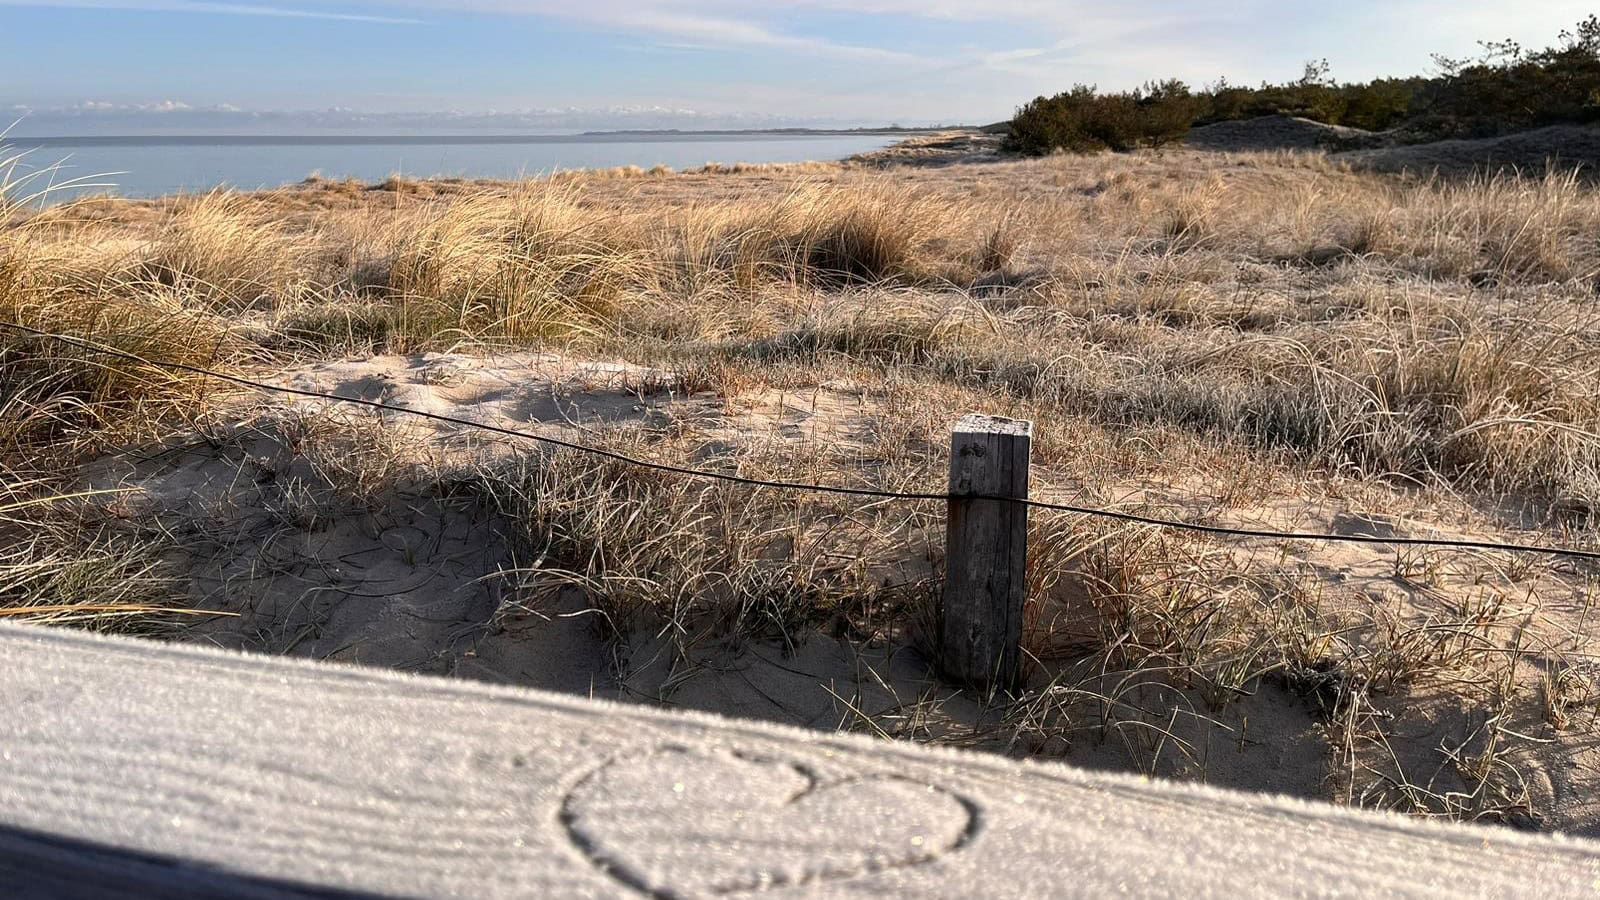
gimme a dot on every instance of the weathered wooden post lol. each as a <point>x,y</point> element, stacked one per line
<point>986,552</point>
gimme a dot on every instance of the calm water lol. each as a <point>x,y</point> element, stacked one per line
<point>151,166</point>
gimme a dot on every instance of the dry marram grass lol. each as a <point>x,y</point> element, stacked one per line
<point>1267,339</point>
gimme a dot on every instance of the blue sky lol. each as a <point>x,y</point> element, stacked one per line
<point>122,65</point>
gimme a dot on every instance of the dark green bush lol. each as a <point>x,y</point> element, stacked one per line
<point>1374,106</point>
<point>1083,120</point>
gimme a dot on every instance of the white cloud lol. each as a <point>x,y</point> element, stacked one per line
<point>91,107</point>
<point>712,31</point>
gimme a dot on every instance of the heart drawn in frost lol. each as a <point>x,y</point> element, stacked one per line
<point>679,822</point>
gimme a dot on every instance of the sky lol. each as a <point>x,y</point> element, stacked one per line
<point>134,66</point>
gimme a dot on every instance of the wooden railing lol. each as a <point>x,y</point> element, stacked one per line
<point>140,768</point>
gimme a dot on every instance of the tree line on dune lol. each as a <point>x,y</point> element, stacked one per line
<point>1506,88</point>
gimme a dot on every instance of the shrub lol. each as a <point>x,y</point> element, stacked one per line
<point>1374,106</point>
<point>1085,121</point>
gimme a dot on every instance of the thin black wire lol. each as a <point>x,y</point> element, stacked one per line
<point>802,486</point>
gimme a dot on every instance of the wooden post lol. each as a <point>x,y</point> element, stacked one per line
<point>986,552</point>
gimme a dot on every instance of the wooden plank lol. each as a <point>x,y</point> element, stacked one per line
<point>986,553</point>
<point>177,771</point>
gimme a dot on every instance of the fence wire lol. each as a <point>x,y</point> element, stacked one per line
<point>875,493</point>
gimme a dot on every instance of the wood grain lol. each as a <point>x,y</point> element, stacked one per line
<point>986,552</point>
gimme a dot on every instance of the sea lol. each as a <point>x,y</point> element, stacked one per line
<point>150,166</point>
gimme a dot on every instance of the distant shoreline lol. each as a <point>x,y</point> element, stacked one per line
<point>587,137</point>
<point>662,132</point>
